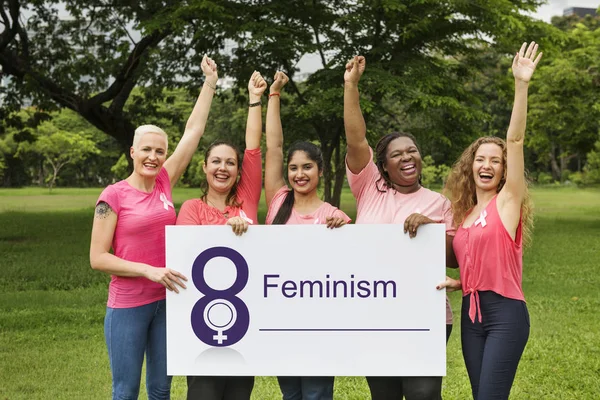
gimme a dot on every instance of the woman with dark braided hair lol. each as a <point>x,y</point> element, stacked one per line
<point>298,205</point>
<point>389,191</point>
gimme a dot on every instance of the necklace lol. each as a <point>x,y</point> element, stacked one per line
<point>210,203</point>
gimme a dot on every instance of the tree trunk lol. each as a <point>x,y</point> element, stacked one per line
<point>331,167</point>
<point>41,173</point>
<point>564,162</point>
<point>340,174</point>
<point>53,180</point>
<point>327,150</point>
<point>556,172</point>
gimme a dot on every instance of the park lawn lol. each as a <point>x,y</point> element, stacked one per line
<point>52,304</point>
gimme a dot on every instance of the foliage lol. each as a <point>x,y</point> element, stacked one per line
<point>419,57</point>
<point>544,178</point>
<point>114,65</point>
<point>565,99</point>
<point>121,168</point>
<point>591,171</point>
<point>58,148</point>
<point>432,174</point>
<point>89,56</point>
<point>26,163</point>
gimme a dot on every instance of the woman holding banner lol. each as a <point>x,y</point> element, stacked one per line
<point>228,200</point>
<point>389,191</point>
<point>493,212</point>
<point>298,205</point>
<point>130,217</point>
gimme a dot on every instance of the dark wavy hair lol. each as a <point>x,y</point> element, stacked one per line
<point>314,153</point>
<point>381,158</point>
<point>232,196</point>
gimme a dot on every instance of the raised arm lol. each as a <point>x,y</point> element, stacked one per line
<point>274,158</point>
<point>256,88</point>
<point>511,195</point>
<point>103,230</point>
<point>194,129</point>
<point>356,131</point>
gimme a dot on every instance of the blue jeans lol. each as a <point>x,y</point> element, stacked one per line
<point>306,387</point>
<point>493,347</point>
<point>129,333</point>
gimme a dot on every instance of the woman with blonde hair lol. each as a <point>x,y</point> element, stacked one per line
<point>492,211</point>
<point>130,218</point>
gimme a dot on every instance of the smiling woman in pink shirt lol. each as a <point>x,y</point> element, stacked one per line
<point>228,200</point>
<point>389,191</point>
<point>298,205</point>
<point>492,210</point>
<point>130,218</point>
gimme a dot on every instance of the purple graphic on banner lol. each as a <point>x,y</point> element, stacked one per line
<point>220,318</point>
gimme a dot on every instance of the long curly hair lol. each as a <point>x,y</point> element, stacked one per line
<point>460,186</point>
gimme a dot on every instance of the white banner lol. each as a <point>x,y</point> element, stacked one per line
<point>304,300</point>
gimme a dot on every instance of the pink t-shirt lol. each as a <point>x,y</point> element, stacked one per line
<point>489,259</point>
<point>376,204</point>
<point>319,216</point>
<point>140,237</point>
<point>197,212</point>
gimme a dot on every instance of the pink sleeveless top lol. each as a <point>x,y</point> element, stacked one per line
<point>489,259</point>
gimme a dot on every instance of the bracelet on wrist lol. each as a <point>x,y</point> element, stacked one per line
<point>258,103</point>
<point>274,94</point>
<point>210,85</point>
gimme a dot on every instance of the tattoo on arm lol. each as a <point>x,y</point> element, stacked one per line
<point>103,210</point>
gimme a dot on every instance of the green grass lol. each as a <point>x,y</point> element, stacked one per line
<point>52,304</point>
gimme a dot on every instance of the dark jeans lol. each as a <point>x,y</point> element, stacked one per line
<point>306,387</point>
<point>410,388</point>
<point>492,349</point>
<point>219,387</point>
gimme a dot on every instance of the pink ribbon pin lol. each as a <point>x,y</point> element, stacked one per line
<point>166,202</point>
<point>481,220</point>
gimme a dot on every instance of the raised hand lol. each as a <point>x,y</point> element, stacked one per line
<point>525,62</point>
<point>209,68</point>
<point>354,70</point>
<point>279,81</point>
<point>256,86</point>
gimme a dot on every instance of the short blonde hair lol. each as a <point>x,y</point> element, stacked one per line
<point>143,129</point>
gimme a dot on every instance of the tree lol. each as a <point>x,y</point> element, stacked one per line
<point>565,101</point>
<point>88,56</point>
<point>419,56</point>
<point>58,148</point>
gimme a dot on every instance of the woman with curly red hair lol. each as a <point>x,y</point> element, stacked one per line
<point>492,212</point>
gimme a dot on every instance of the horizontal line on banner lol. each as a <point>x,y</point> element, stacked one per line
<point>344,330</point>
